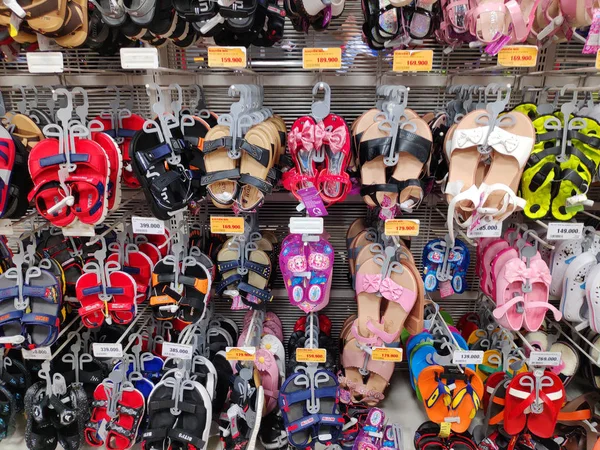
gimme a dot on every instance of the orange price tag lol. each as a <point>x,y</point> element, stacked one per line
<point>402,227</point>
<point>386,354</point>
<point>233,57</point>
<point>240,353</point>
<point>311,355</point>
<point>598,60</point>
<point>226,225</point>
<point>413,61</point>
<point>518,56</point>
<point>322,58</point>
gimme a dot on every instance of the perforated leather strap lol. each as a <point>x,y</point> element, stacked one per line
<point>260,154</point>
<point>259,184</point>
<point>211,146</point>
<point>231,174</point>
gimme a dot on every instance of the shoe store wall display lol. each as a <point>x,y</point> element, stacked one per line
<point>365,225</point>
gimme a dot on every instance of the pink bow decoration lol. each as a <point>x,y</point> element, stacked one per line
<point>320,134</point>
<point>336,139</point>
<point>391,290</point>
<point>542,277</point>
<point>371,283</point>
<point>302,138</point>
<point>516,270</point>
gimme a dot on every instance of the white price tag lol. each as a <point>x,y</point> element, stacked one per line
<point>45,62</point>
<point>139,58</point>
<point>306,225</point>
<point>463,357</point>
<point>147,225</point>
<point>181,351</point>
<point>41,353</point>
<point>560,231</point>
<point>493,228</point>
<point>101,350</point>
<point>545,358</point>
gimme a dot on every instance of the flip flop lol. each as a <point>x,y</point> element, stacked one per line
<point>466,400</point>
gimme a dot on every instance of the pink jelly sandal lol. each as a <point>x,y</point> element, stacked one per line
<point>301,142</point>
<point>333,182</point>
<point>509,295</point>
<point>536,301</point>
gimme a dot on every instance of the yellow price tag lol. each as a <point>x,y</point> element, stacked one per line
<point>233,57</point>
<point>402,227</point>
<point>240,353</point>
<point>386,354</point>
<point>445,429</point>
<point>322,58</point>
<point>413,61</point>
<point>598,60</point>
<point>226,225</point>
<point>311,355</point>
<point>518,56</point>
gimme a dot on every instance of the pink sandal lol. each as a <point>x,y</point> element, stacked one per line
<point>301,142</point>
<point>333,182</point>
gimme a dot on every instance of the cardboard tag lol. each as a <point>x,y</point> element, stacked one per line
<point>402,227</point>
<point>389,354</point>
<point>232,57</point>
<point>560,231</point>
<point>226,225</point>
<point>322,58</point>
<point>445,429</point>
<point>181,351</point>
<point>79,229</point>
<point>139,58</point>
<point>493,228</point>
<point>311,355</point>
<point>312,202</point>
<point>101,350</point>
<point>45,62</point>
<point>40,353</point>
<point>518,56</point>
<point>545,358</point>
<point>464,357</point>
<point>413,61</point>
<point>147,225</point>
<point>6,228</point>
<point>240,353</point>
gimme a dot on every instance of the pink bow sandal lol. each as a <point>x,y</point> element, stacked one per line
<point>333,182</point>
<point>301,142</point>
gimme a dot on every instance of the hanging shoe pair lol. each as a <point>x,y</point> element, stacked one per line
<point>241,177</point>
<point>245,270</point>
<point>394,150</point>
<point>320,151</point>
